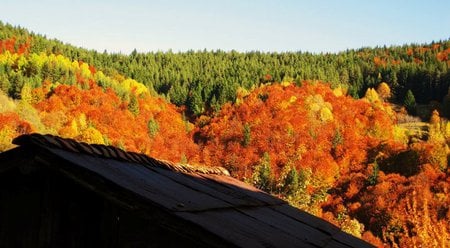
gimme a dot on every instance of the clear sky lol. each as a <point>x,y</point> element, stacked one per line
<point>243,25</point>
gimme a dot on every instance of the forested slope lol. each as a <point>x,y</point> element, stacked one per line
<point>288,123</point>
<point>204,79</point>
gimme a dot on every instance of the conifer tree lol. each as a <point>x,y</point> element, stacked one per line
<point>410,102</point>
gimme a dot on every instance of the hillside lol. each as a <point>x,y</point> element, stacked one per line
<point>74,100</point>
<point>317,130</point>
<point>201,80</point>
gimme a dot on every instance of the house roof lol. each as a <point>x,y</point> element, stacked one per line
<point>206,197</point>
<point>112,152</point>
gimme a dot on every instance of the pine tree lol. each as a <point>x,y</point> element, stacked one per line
<point>133,106</point>
<point>291,181</point>
<point>262,174</point>
<point>410,102</point>
<point>247,135</point>
<point>153,127</point>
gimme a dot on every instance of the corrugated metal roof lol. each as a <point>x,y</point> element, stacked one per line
<point>111,152</point>
<point>204,196</point>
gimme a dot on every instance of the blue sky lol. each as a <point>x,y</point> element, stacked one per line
<point>243,25</point>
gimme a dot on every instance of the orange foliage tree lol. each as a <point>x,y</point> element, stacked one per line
<point>308,127</point>
<point>11,126</point>
<point>86,114</point>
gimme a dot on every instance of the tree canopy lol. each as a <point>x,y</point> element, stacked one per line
<point>327,132</point>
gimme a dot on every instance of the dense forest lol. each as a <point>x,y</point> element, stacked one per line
<point>204,80</point>
<point>333,134</point>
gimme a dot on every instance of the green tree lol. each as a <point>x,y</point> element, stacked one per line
<point>410,102</point>
<point>247,135</point>
<point>262,174</point>
<point>291,181</point>
<point>5,85</point>
<point>195,102</point>
<point>133,106</point>
<point>373,178</point>
<point>153,127</point>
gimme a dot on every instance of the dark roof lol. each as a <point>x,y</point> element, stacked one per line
<point>111,152</point>
<point>206,197</point>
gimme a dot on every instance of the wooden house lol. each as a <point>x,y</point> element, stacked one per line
<point>57,192</point>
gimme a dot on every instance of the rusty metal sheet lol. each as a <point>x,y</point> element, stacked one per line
<point>237,198</point>
<point>142,181</point>
<point>338,236</point>
<point>288,225</point>
<point>307,218</point>
<point>231,185</point>
<point>242,230</point>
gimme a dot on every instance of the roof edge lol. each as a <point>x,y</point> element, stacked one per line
<point>111,152</point>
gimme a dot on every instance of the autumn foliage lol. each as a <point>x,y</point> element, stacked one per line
<point>11,45</point>
<point>301,126</point>
<point>116,113</point>
<point>345,160</point>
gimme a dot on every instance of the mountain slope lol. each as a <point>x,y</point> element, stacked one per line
<point>201,80</point>
<point>343,159</point>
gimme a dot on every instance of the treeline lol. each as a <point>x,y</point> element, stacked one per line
<point>205,80</point>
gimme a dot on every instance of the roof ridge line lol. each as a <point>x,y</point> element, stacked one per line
<point>112,152</point>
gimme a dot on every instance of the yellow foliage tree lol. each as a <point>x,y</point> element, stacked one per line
<point>26,94</point>
<point>130,84</point>
<point>435,133</point>
<point>338,91</point>
<point>318,108</point>
<point>326,114</point>
<point>6,104</point>
<point>28,113</point>
<point>85,72</point>
<point>70,131</point>
<point>435,118</point>
<point>91,135</point>
<point>6,136</point>
<point>372,96</point>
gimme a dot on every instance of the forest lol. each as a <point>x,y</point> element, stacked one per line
<point>359,138</point>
